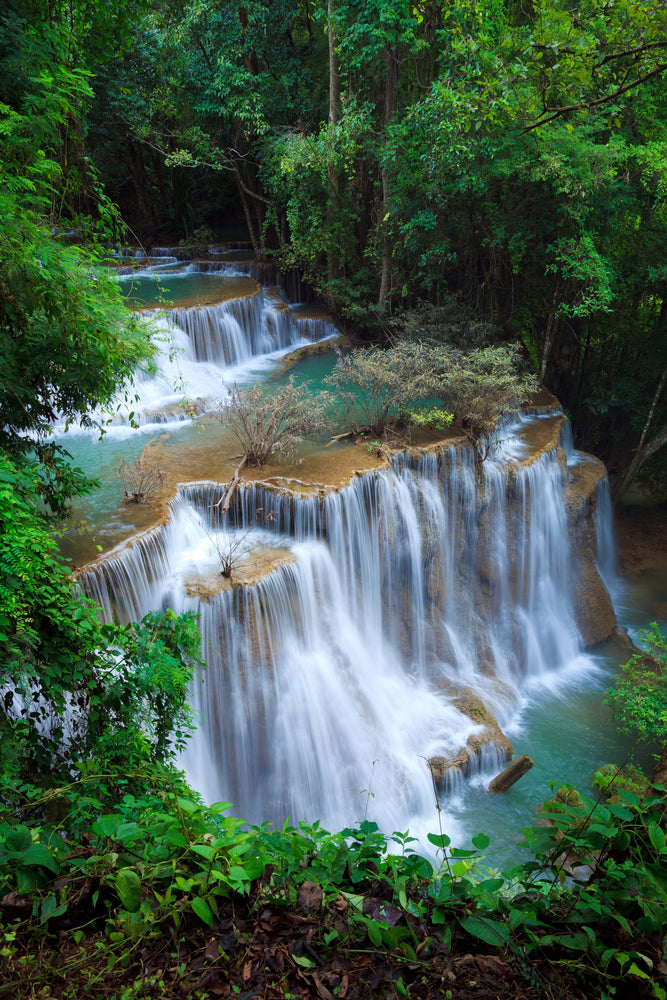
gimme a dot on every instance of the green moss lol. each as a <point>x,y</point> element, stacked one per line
<point>611,780</point>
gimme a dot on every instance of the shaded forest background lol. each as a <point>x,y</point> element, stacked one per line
<point>480,170</point>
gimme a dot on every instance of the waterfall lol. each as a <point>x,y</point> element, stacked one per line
<point>232,332</point>
<point>353,621</point>
<point>262,271</point>
<point>200,348</point>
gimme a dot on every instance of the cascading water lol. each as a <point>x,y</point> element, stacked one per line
<point>202,348</point>
<point>353,621</point>
<point>231,333</point>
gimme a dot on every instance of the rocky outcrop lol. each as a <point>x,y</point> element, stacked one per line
<point>594,611</point>
<point>489,737</point>
<point>249,570</point>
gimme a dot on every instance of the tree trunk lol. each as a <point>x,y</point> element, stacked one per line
<point>391,81</point>
<point>512,773</point>
<point>659,441</point>
<point>248,217</point>
<point>136,161</point>
<point>549,334</point>
<point>333,67</point>
<point>249,58</point>
<point>332,176</point>
<point>644,451</point>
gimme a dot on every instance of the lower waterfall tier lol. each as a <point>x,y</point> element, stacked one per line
<point>353,619</point>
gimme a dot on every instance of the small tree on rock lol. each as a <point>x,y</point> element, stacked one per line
<point>482,386</point>
<point>266,425</point>
<point>380,387</point>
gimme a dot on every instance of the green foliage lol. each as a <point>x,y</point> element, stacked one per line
<point>477,387</point>
<point>162,864</point>
<point>638,700</point>
<point>376,385</point>
<point>609,779</point>
<point>75,690</point>
<point>430,418</point>
<point>68,342</point>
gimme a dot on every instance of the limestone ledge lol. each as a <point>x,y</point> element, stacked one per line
<point>594,611</point>
<point>468,758</point>
<point>248,571</point>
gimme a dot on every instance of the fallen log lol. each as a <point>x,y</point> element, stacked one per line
<point>512,773</point>
<point>226,498</point>
<point>340,437</point>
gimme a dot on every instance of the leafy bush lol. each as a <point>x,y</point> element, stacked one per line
<point>68,344</point>
<point>430,418</point>
<point>477,387</point>
<point>482,386</point>
<point>74,689</point>
<point>638,699</point>
<point>377,384</point>
<point>161,867</point>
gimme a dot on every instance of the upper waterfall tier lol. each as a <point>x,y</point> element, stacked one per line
<point>386,598</point>
<point>201,347</point>
<point>231,333</point>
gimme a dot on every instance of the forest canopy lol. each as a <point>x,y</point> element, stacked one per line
<point>501,158</point>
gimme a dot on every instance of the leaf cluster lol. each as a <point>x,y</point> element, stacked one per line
<point>162,864</point>
<point>638,700</point>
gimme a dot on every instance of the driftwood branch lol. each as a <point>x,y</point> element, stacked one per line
<point>512,773</point>
<point>226,498</point>
<point>340,437</point>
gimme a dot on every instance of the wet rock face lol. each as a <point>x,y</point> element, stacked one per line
<point>490,738</point>
<point>594,611</point>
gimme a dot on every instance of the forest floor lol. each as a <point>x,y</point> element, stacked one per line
<point>260,952</point>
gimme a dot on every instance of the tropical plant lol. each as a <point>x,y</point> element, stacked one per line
<point>638,699</point>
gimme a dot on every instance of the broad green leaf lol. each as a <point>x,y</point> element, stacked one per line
<point>634,970</point>
<point>657,838</point>
<point>374,933</point>
<point>128,886</point>
<point>37,854</point>
<point>219,807</point>
<point>19,839</point>
<point>440,840</point>
<point>106,826</point>
<point>304,961</point>
<point>481,841</point>
<point>203,910</point>
<point>490,931</point>
<point>129,831</point>
<point>204,850</point>
<point>577,942</point>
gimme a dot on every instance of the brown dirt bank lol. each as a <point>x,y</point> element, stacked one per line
<point>641,534</point>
